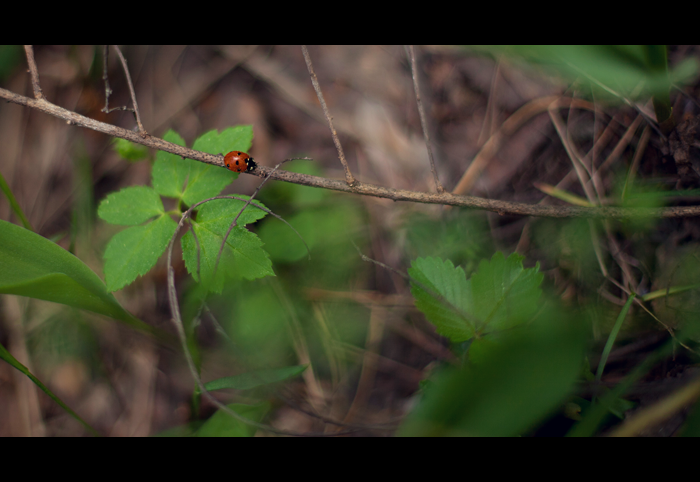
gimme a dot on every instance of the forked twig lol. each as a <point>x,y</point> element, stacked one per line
<point>108,89</point>
<point>348,175</point>
<point>142,131</point>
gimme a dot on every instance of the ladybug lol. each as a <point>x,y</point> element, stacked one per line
<point>238,161</point>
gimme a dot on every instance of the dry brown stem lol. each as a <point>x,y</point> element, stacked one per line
<point>500,207</point>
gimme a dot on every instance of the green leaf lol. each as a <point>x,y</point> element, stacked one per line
<point>242,257</point>
<point>131,206</point>
<point>246,381</point>
<point>500,295</point>
<point>33,266</point>
<point>192,181</point>
<point>7,356</point>
<point>517,384</point>
<point>238,138</point>
<point>134,251</point>
<point>206,180</point>
<point>130,151</point>
<point>443,301</point>
<point>170,172</point>
<point>319,226</point>
<point>503,294</point>
<point>222,424</point>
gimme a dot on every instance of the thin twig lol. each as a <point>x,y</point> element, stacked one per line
<point>348,175</point>
<point>108,89</point>
<point>142,131</point>
<point>423,120</point>
<point>34,72</point>
<point>500,207</point>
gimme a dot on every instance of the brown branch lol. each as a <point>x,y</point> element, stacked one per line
<point>142,131</point>
<point>38,94</point>
<point>500,207</point>
<point>348,175</point>
<point>423,121</point>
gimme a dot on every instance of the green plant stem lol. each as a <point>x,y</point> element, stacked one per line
<point>14,204</point>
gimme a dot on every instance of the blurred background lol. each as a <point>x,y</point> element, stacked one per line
<point>354,322</point>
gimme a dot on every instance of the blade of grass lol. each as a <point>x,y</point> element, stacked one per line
<point>668,291</point>
<point>611,338</point>
<point>14,204</point>
<point>588,426</point>
<point>7,356</point>
<point>561,194</point>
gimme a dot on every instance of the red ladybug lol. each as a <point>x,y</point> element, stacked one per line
<point>238,161</point>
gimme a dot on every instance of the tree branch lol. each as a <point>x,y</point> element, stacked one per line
<point>500,207</point>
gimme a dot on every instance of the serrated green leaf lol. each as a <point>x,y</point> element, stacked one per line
<point>33,266</point>
<point>192,181</point>
<point>206,181</point>
<point>523,379</point>
<point>242,257</point>
<point>442,279</point>
<point>222,212</point>
<point>170,172</point>
<point>130,151</point>
<point>222,424</point>
<point>501,294</point>
<point>246,381</point>
<point>134,251</point>
<point>131,206</point>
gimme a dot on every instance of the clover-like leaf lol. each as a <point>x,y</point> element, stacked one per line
<point>134,251</point>
<point>131,206</point>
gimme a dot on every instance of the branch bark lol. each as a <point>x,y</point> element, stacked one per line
<point>500,207</point>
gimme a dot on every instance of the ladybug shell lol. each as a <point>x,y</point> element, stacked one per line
<point>238,161</point>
